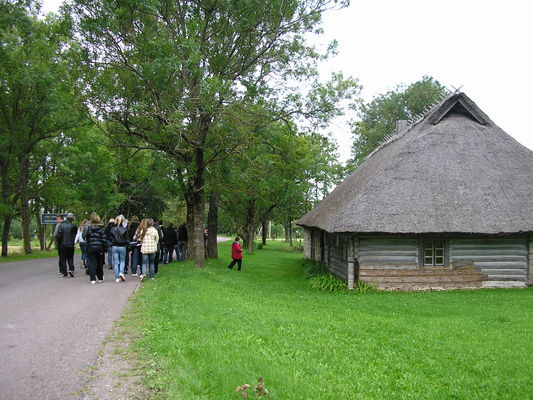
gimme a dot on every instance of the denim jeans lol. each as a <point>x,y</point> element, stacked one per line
<point>182,250</point>
<point>109,254</point>
<point>150,260</point>
<point>84,257</point>
<point>119,259</point>
<point>167,253</point>
<point>134,259</point>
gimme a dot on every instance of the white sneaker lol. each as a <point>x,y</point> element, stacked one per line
<point>101,280</point>
<point>117,280</point>
<point>121,276</point>
<point>141,277</point>
<point>93,282</point>
<point>134,274</point>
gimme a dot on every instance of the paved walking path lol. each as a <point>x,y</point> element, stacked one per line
<point>51,328</point>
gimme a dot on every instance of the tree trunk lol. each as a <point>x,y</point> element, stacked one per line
<point>198,208</point>
<point>40,230</point>
<point>8,217</point>
<point>212,226</point>
<point>249,226</point>
<point>25,204</point>
<point>264,231</point>
<point>249,233</point>
<point>288,231</point>
<point>198,252</point>
<point>5,234</point>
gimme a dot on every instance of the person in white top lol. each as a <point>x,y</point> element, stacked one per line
<point>83,245</point>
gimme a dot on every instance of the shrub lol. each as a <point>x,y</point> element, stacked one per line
<point>327,282</point>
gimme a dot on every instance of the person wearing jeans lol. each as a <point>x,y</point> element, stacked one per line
<point>149,238</point>
<point>148,263</point>
<point>183,238</point>
<point>120,239</point>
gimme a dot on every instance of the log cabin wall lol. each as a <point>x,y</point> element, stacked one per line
<point>530,262</point>
<point>396,262</point>
<point>388,252</point>
<point>336,254</point>
<point>504,260</point>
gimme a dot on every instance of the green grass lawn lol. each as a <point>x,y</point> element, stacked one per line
<point>202,333</point>
<point>16,252</point>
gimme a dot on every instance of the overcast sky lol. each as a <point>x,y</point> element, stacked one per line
<point>485,46</point>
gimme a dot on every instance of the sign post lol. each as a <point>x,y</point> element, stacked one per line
<point>49,219</point>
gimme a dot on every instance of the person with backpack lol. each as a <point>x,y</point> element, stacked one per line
<point>120,240</point>
<point>96,239</point>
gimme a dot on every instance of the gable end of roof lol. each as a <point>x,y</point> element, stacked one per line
<point>462,104</point>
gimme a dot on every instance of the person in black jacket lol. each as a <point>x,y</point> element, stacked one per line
<point>120,239</point>
<point>183,238</point>
<point>170,241</point>
<point>96,238</point>
<point>65,235</point>
<point>135,255</point>
<point>157,225</point>
<point>109,248</point>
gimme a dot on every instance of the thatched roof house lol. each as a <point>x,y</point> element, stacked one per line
<point>453,189</point>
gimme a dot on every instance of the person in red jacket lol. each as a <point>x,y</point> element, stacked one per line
<point>236,254</point>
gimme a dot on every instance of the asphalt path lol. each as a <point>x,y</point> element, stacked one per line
<point>52,328</point>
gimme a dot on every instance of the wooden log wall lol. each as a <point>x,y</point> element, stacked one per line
<point>530,262</point>
<point>501,259</point>
<point>335,262</point>
<point>388,252</point>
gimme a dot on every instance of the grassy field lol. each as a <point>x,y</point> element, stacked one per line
<point>16,252</point>
<point>202,333</point>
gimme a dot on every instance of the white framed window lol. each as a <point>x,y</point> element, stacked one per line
<point>434,253</point>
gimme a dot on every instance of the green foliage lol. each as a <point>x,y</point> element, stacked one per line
<point>205,332</point>
<point>364,287</point>
<point>327,282</point>
<point>313,268</point>
<point>378,117</point>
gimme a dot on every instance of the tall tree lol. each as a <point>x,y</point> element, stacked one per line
<point>378,117</point>
<point>278,173</point>
<point>37,97</point>
<point>167,71</point>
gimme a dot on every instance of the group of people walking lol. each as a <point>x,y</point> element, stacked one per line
<point>131,243</point>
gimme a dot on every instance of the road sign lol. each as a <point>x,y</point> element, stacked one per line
<point>49,219</point>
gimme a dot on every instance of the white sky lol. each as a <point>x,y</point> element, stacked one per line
<point>485,46</point>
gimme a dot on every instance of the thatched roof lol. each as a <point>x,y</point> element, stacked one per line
<point>454,171</point>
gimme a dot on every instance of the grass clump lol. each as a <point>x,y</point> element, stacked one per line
<point>205,332</point>
<point>327,282</point>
